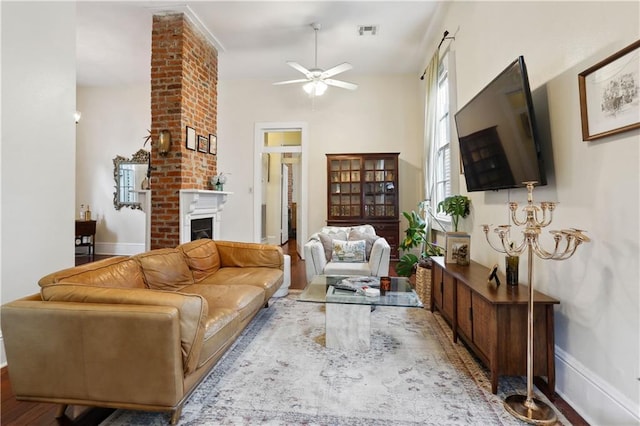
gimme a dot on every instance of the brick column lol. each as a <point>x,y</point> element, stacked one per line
<point>184,79</point>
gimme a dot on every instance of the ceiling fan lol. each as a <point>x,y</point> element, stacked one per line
<point>317,79</point>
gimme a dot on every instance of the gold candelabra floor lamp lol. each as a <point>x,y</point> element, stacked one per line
<point>527,408</point>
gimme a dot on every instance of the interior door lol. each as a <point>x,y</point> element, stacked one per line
<point>284,204</point>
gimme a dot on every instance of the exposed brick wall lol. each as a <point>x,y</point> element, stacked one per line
<point>184,80</point>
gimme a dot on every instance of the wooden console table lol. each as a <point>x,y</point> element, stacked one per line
<point>492,320</point>
<point>86,235</point>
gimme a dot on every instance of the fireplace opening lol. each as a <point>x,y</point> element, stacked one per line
<point>201,228</point>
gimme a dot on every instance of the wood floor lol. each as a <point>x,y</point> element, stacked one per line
<point>18,413</point>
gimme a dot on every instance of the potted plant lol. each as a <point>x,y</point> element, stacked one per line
<point>416,235</point>
<point>457,243</point>
<point>456,206</point>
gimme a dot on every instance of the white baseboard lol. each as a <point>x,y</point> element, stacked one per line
<point>590,396</point>
<point>120,249</point>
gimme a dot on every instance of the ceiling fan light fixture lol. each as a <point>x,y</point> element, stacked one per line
<point>315,88</point>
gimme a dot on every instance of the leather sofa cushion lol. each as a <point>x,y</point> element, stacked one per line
<point>165,269</point>
<point>202,257</point>
<point>192,310</point>
<point>230,308</point>
<point>239,254</point>
<point>267,279</point>
<point>121,272</point>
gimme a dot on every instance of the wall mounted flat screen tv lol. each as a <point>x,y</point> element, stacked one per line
<point>499,143</point>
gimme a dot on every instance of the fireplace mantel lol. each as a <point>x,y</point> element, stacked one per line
<point>199,204</point>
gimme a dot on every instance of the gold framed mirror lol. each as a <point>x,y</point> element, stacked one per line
<point>129,173</point>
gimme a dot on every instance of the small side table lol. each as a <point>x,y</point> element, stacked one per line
<point>86,235</point>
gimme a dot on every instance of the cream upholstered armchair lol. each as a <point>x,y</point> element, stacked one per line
<point>349,250</point>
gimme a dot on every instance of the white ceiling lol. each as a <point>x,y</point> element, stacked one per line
<point>255,39</point>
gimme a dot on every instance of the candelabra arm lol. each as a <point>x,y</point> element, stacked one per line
<point>542,253</point>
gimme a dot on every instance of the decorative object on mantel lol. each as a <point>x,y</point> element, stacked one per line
<point>458,244</point>
<point>609,95</point>
<point>218,181</point>
<point>527,408</point>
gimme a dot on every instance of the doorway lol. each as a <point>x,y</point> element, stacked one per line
<point>280,176</point>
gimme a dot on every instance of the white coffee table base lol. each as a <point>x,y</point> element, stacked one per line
<point>348,326</point>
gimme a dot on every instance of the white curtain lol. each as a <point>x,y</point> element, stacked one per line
<point>431,94</point>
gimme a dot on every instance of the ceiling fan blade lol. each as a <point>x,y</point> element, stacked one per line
<point>300,80</point>
<point>345,66</point>
<point>300,68</point>
<point>341,84</point>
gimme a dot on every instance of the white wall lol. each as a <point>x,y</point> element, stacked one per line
<point>115,121</point>
<point>382,115</point>
<point>38,143</point>
<point>596,184</point>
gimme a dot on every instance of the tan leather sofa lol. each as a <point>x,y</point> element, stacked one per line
<point>136,332</point>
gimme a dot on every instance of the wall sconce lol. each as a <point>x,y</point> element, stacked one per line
<point>77,116</point>
<point>164,142</point>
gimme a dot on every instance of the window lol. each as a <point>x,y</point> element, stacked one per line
<point>442,147</point>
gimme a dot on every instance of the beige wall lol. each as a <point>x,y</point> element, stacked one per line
<point>596,184</point>
<point>38,144</point>
<point>98,142</point>
<point>382,115</point>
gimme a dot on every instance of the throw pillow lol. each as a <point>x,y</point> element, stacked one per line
<point>348,251</point>
<point>327,241</point>
<point>369,239</point>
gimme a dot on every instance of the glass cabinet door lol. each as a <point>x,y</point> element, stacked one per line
<point>345,189</point>
<point>380,193</point>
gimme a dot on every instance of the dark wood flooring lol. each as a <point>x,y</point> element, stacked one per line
<point>19,413</point>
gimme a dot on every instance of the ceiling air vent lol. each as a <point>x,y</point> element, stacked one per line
<point>367,30</point>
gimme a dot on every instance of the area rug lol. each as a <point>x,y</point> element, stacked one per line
<point>280,373</point>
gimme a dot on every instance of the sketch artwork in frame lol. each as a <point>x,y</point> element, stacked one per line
<point>203,144</point>
<point>213,144</point>
<point>610,94</point>
<point>458,248</point>
<point>191,138</point>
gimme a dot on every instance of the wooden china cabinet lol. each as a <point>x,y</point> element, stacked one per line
<point>363,189</point>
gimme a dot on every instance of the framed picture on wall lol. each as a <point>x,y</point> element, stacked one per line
<point>213,144</point>
<point>609,95</point>
<point>190,138</point>
<point>202,143</point>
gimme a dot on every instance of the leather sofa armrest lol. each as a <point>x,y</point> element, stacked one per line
<point>191,310</point>
<point>93,352</point>
<point>379,258</point>
<point>239,254</point>
<point>314,259</point>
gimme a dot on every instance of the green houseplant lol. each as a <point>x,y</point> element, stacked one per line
<point>456,206</point>
<point>457,243</point>
<point>416,235</point>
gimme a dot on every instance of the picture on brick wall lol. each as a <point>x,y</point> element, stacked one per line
<point>213,144</point>
<point>191,138</point>
<point>203,144</point>
<point>609,95</point>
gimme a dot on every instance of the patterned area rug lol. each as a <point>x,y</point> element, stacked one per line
<point>280,373</point>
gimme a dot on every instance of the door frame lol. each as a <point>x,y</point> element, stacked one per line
<point>260,129</point>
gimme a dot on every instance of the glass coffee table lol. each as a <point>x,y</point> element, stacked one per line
<point>348,313</point>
